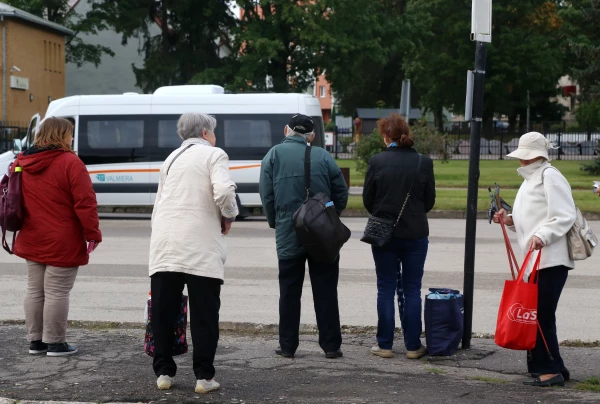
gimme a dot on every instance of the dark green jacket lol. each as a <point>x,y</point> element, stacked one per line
<point>282,188</point>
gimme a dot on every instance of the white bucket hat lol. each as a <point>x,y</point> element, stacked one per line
<point>532,145</point>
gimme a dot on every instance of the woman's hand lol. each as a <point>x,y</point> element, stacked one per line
<point>507,219</point>
<point>536,243</point>
<point>225,225</point>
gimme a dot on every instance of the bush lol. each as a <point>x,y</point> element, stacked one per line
<point>329,126</point>
<point>368,146</point>
<point>592,168</point>
<point>588,115</point>
<point>427,141</point>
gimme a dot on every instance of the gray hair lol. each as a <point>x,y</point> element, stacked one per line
<point>192,124</point>
<point>290,132</point>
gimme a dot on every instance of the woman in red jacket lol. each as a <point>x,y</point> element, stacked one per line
<point>60,216</point>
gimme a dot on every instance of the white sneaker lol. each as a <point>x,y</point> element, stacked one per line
<point>204,386</point>
<point>384,353</point>
<point>164,382</point>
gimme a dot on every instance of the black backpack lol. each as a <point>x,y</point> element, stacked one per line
<point>318,226</point>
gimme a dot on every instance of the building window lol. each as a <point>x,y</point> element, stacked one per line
<point>54,58</point>
<point>322,91</point>
<point>45,55</point>
<point>60,58</point>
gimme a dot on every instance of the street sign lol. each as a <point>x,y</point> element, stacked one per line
<point>328,138</point>
<point>481,20</point>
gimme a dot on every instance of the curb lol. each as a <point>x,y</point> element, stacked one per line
<point>434,214</point>
<point>11,401</point>
<point>273,329</point>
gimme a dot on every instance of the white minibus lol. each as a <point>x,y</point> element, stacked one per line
<point>124,139</point>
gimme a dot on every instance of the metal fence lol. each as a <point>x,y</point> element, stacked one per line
<point>494,146</point>
<point>569,146</point>
<point>8,134</point>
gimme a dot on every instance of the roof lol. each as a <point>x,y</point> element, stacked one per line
<point>377,113</point>
<point>10,11</point>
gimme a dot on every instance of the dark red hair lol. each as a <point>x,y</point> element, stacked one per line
<point>396,128</point>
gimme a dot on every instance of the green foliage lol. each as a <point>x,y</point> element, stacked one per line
<point>330,126</point>
<point>368,146</point>
<point>363,51</point>
<point>524,56</point>
<point>275,55</point>
<point>429,141</point>
<point>582,45</point>
<point>588,115</point>
<point>593,167</point>
<point>76,51</point>
<point>192,36</point>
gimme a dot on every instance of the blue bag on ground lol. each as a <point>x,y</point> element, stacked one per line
<point>444,319</point>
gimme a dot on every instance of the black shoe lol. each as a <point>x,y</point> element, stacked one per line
<point>564,372</point>
<point>63,349</point>
<point>37,347</point>
<point>284,354</point>
<point>557,380</point>
<point>334,354</point>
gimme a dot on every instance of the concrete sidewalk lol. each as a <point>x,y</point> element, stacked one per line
<point>112,367</point>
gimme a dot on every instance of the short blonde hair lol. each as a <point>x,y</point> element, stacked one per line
<point>54,133</point>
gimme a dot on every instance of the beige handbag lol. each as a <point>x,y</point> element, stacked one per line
<point>581,239</point>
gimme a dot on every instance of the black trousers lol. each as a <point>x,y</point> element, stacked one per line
<point>550,285</point>
<point>205,302</point>
<point>324,280</point>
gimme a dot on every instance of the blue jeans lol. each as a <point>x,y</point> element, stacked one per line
<point>399,267</point>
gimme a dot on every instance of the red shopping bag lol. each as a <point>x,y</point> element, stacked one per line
<point>517,324</point>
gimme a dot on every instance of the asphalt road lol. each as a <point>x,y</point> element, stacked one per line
<point>114,286</point>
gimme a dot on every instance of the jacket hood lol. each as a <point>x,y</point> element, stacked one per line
<point>38,160</point>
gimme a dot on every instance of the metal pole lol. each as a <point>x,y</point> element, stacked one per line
<point>476,125</point>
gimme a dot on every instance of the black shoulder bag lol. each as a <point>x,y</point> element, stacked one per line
<point>378,231</point>
<point>318,226</point>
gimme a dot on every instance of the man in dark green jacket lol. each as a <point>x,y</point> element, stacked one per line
<point>282,192</point>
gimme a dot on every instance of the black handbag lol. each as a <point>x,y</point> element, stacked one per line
<point>379,231</point>
<point>317,224</point>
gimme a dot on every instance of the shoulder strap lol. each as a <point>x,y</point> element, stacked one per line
<point>307,170</point>
<point>419,160</point>
<point>178,154</point>
<point>545,171</point>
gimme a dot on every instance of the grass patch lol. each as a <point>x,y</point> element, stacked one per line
<point>577,343</point>
<point>590,384</point>
<point>436,371</point>
<point>356,179</point>
<point>456,199</point>
<point>455,173</point>
<point>488,379</point>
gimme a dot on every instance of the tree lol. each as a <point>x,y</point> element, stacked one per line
<point>582,45</point>
<point>278,42</point>
<point>364,50</point>
<point>438,70</point>
<point>193,35</point>
<point>59,11</point>
<point>524,56</point>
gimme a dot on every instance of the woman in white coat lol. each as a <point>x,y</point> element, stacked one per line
<point>543,213</point>
<point>195,206</point>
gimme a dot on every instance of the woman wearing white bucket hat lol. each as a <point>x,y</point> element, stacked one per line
<point>543,213</point>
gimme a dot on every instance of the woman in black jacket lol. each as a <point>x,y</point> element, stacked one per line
<point>399,265</point>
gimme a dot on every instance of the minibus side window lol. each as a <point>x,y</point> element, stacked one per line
<point>112,139</point>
